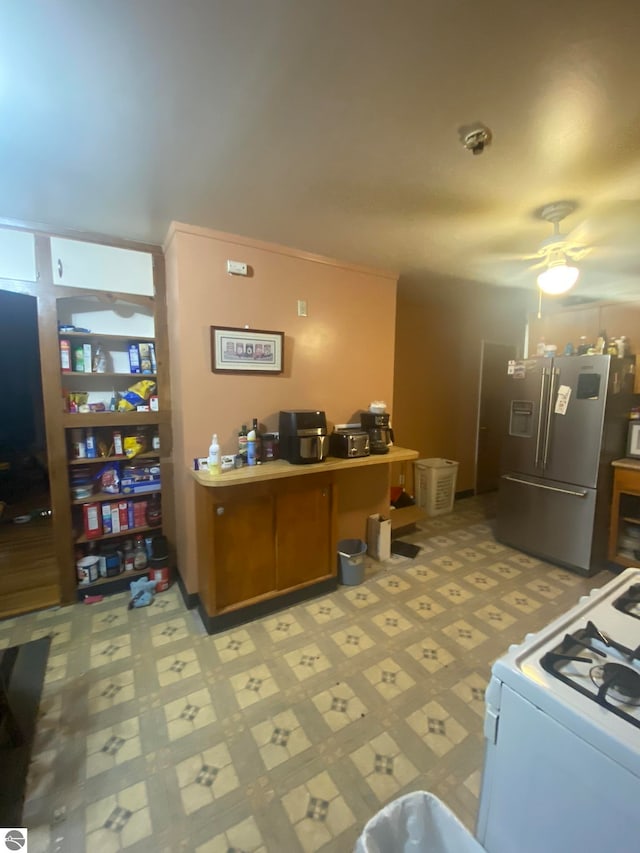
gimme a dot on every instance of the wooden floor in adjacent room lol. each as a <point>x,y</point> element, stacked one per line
<point>28,569</point>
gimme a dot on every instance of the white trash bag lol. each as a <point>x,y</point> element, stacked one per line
<point>416,823</point>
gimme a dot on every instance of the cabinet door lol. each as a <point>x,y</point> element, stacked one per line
<point>304,543</point>
<point>98,267</point>
<point>17,255</point>
<point>244,551</point>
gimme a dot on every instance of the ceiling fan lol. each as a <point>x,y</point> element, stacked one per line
<point>558,253</point>
<point>600,251</point>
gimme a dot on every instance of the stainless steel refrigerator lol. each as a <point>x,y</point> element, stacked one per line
<point>567,420</point>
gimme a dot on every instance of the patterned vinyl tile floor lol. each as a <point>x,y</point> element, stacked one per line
<point>286,734</point>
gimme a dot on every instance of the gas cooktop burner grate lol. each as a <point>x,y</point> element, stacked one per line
<point>620,682</point>
<point>629,602</point>
<point>617,684</point>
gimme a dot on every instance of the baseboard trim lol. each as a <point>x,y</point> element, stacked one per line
<point>191,599</point>
<point>223,621</point>
<point>465,493</point>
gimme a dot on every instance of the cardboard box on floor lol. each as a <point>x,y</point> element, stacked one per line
<point>404,520</point>
<point>379,537</point>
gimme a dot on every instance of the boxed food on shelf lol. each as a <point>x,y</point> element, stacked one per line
<point>139,477</point>
<point>147,358</point>
<point>106,518</point>
<point>92,519</point>
<point>139,487</point>
<point>142,357</point>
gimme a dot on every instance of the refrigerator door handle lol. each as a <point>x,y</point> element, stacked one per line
<point>580,494</point>
<point>547,431</point>
<point>538,461</point>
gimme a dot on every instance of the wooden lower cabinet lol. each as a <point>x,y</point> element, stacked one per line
<point>244,553</point>
<point>260,542</point>
<point>304,540</point>
<point>624,529</point>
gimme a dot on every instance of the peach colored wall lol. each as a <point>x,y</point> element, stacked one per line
<point>338,359</point>
<point>440,326</point>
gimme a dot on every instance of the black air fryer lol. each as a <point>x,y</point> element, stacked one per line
<point>303,436</point>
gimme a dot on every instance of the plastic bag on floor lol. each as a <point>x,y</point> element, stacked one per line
<point>416,823</point>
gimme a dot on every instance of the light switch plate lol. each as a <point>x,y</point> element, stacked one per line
<point>302,307</point>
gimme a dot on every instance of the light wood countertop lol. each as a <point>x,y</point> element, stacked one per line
<point>627,462</point>
<point>280,469</point>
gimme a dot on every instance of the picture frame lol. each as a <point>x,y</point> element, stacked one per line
<point>633,440</point>
<point>246,350</point>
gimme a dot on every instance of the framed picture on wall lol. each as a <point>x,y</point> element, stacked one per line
<point>246,350</point>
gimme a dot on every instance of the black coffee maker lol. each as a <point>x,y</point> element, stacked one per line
<point>380,433</point>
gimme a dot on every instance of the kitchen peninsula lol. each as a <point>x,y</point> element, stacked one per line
<point>266,536</point>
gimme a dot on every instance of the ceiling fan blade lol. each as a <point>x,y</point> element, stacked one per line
<point>541,265</point>
<point>611,223</point>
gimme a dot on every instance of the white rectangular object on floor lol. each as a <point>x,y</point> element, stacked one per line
<point>435,485</point>
<point>379,537</point>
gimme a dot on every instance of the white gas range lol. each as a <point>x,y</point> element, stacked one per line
<point>562,729</point>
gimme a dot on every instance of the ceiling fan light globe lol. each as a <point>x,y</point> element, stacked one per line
<point>558,279</point>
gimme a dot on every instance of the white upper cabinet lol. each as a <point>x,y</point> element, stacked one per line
<point>97,267</point>
<point>17,255</point>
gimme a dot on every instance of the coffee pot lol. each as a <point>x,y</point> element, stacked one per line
<point>380,433</point>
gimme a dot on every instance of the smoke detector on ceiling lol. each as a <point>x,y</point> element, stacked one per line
<point>475,138</point>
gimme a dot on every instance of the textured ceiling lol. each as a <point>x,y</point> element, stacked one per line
<point>331,126</point>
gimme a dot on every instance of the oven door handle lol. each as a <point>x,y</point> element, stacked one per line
<point>571,492</point>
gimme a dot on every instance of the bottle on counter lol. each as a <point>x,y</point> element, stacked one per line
<point>252,459</point>
<point>258,439</point>
<point>213,462</point>
<point>621,344</point>
<point>270,447</point>
<point>242,444</point>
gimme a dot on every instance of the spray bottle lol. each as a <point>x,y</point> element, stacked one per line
<point>214,455</point>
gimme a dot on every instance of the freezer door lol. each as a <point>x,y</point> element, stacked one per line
<point>527,393</point>
<point>573,432</point>
<point>553,521</point>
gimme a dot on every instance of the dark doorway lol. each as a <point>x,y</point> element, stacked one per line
<point>492,414</point>
<point>24,485</point>
<point>28,568</point>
